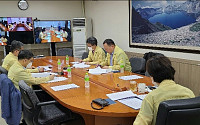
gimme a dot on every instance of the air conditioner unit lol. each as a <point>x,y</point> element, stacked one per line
<point>81,30</point>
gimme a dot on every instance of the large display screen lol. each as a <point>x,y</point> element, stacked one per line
<point>52,31</point>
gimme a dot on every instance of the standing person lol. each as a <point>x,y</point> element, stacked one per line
<point>18,71</point>
<point>162,74</point>
<point>96,53</point>
<point>115,57</point>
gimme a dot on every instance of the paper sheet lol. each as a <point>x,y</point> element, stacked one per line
<point>64,87</point>
<point>44,74</point>
<point>132,102</point>
<point>97,71</point>
<point>130,77</point>
<point>46,68</point>
<point>57,79</point>
<point>81,65</point>
<point>121,95</point>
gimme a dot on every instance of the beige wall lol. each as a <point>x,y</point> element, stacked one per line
<point>111,20</point>
<point>57,10</point>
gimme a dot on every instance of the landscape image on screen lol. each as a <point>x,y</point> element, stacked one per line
<point>166,22</point>
<point>52,31</point>
<point>20,24</point>
<point>3,31</point>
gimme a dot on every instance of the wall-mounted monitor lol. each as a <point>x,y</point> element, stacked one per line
<point>21,29</point>
<point>3,31</point>
<point>20,24</point>
<point>52,31</point>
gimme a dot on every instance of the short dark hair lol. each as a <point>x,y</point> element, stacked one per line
<point>43,29</point>
<point>15,45</point>
<point>92,41</point>
<point>160,68</point>
<point>109,42</point>
<point>25,54</point>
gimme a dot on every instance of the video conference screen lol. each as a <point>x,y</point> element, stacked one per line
<point>3,31</point>
<point>52,31</point>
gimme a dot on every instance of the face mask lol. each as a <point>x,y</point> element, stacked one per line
<point>90,48</point>
<point>154,83</point>
<point>29,66</point>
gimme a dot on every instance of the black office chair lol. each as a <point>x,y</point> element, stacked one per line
<point>64,52</point>
<point>179,112</point>
<point>85,55</point>
<point>41,113</point>
<point>137,65</point>
<point>3,71</point>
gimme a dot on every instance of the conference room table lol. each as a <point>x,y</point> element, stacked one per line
<point>54,37</point>
<point>79,99</point>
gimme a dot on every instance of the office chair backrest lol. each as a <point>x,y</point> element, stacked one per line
<point>179,112</point>
<point>137,65</point>
<point>29,102</point>
<point>3,71</point>
<point>64,52</point>
<point>85,55</point>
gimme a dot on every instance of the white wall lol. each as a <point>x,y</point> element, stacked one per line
<point>55,10</point>
<point>111,20</point>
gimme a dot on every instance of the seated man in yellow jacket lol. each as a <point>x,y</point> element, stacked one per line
<point>18,71</point>
<point>11,58</point>
<point>115,57</point>
<point>96,53</point>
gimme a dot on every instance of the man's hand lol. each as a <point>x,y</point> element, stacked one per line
<point>51,77</point>
<point>41,69</point>
<point>105,67</point>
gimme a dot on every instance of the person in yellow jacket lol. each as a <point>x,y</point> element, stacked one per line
<point>96,54</point>
<point>18,71</point>
<point>11,58</point>
<point>115,57</point>
<point>162,74</point>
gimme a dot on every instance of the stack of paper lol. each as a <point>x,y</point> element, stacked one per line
<point>46,68</point>
<point>131,77</point>
<point>98,71</point>
<point>64,87</point>
<point>57,79</point>
<point>128,98</point>
<point>74,62</point>
<point>44,74</point>
<point>81,65</point>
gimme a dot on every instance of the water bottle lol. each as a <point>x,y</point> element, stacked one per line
<point>67,60</point>
<point>122,67</point>
<point>69,72</point>
<point>59,65</point>
<point>87,84</point>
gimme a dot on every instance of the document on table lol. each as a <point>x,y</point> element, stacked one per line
<point>44,74</point>
<point>134,103</point>
<point>57,79</point>
<point>130,77</point>
<point>46,68</point>
<point>121,95</point>
<point>98,71</point>
<point>81,65</point>
<point>74,62</point>
<point>128,98</point>
<point>64,87</point>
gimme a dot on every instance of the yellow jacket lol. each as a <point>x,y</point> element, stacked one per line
<point>119,58</point>
<point>97,57</point>
<point>17,72</point>
<point>10,59</point>
<point>167,90</point>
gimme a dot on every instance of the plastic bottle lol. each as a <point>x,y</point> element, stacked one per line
<point>59,65</point>
<point>69,73</point>
<point>122,67</point>
<point>67,60</point>
<point>87,84</point>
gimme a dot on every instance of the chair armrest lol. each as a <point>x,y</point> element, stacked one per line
<point>47,103</point>
<point>39,90</point>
